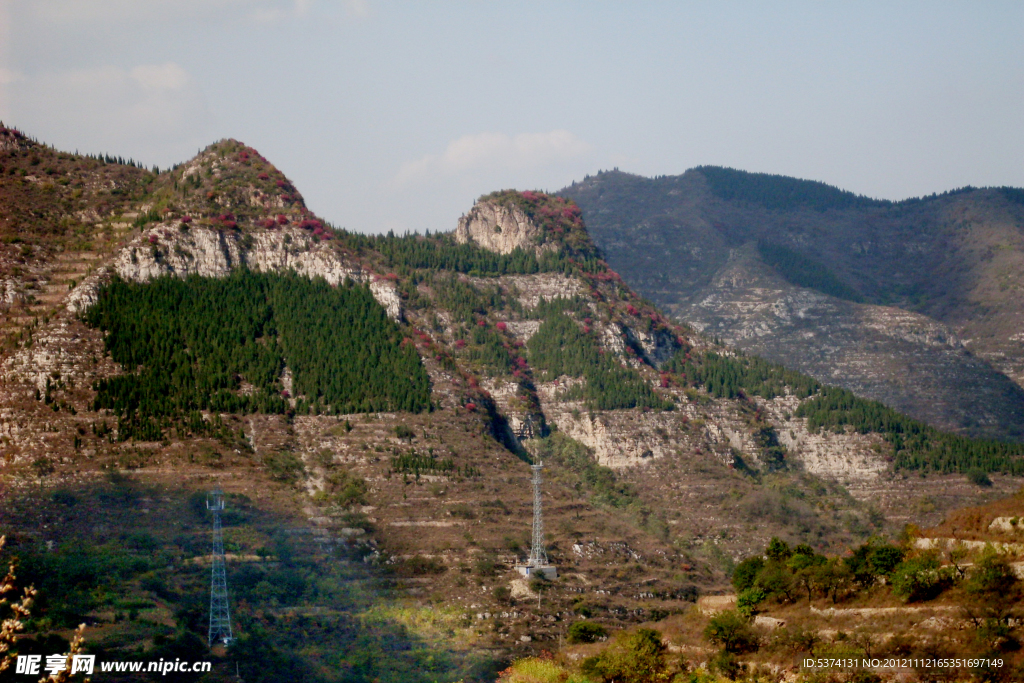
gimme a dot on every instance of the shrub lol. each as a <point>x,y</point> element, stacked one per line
<point>726,664</point>
<point>635,657</point>
<point>538,670</point>
<point>586,632</point>
<point>978,476</point>
<point>283,466</point>
<point>462,511</point>
<point>421,566</point>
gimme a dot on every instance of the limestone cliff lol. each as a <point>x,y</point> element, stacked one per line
<point>499,227</point>
<point>207,252</point>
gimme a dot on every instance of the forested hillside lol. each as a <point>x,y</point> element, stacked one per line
<point>222,345</point>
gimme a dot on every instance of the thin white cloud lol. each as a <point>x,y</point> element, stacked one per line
<point>486,151</point>
<point>160,77</point>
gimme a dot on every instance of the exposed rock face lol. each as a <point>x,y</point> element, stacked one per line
<point>215,253</point>
<point>9,294</point>
<point>523,421</point>
<point>498,227</point>
<point>658,346</point>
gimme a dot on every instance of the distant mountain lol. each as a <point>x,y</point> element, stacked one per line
<point>918,304</point>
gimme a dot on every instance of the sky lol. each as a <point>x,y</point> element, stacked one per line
<point>396,115</point>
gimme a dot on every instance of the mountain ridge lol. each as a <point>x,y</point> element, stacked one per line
<point>777,282</point>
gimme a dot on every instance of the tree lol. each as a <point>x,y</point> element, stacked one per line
<point>804,566</point>
<point>918,578</point>
<point>832,578</point>
<point>746,572</point>
<point>993,588</point>
<point>732,631</point>
<point>776,581</point>
<point>884,559</point>
<point>748,599</point>
<point>778,550</point>
<point>956,553</point>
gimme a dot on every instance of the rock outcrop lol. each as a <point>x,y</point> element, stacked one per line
<point>499,227</point>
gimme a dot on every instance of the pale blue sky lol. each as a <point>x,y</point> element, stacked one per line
<point>396,115</point>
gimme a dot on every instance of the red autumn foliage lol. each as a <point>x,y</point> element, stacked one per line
<point>282,219</point>
<point>263,176</point>
<point>267,223</point>
<point>152,239</point>
<point>631,309</point>
<point>481,323</point>
<point>186,219</point>
<point>471,407</point>
<point>460,343</point>
<point>502,326</point>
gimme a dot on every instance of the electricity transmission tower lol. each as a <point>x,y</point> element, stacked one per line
<point>538,562</point>
<point>538,556</point>
<point>220,615</point>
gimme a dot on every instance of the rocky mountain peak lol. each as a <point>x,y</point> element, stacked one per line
<point>499,227</point>
<point>229,184</point>
<point>533,221</point>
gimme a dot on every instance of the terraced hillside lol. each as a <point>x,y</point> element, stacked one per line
<point>370,405</point>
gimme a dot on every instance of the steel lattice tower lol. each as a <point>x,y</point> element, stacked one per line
<point>538,556</point>
<point>220,614</point>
